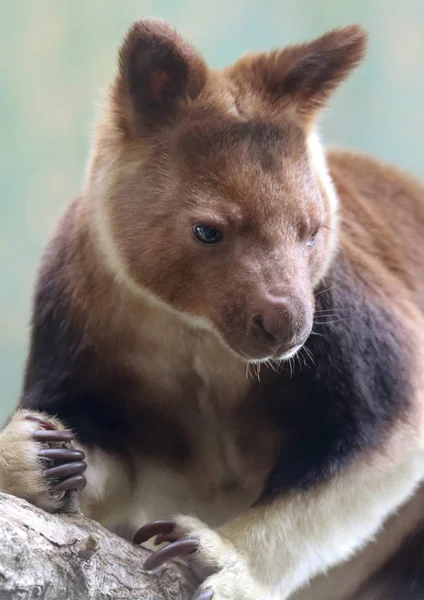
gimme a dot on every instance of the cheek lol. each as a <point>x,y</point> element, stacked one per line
<point>152,259</point>
<point>319,256</point>
<point>182,278</point>
<point>201,282</point>
<point>210,288</point>
<point>171,275</point>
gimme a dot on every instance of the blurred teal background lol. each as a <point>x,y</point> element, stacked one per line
<point>57,55</point>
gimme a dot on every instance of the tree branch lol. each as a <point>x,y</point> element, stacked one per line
<point>69,557</point>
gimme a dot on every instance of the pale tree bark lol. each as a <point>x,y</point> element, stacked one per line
<point>69,557</point>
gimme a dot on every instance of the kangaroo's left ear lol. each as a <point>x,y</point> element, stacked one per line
<point>159,73</point>
<point>302,76</point>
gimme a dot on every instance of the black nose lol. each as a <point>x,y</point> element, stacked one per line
<point>280,324</point>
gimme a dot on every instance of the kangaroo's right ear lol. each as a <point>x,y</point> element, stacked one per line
<point>158,73</point>
<point>304,76</point>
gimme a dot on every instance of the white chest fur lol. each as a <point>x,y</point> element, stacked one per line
<point>201,384</point>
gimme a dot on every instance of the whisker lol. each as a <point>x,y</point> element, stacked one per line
<point>279,364</point>
<point>323,291</point>
<point>329,322</point>
<point>268,363</point>
<point>273,364</point>
<point>297,357</point>
<point>289,360</point>
<point>309,353</point>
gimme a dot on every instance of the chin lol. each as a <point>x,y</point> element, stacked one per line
<point>284,356</point>
<point>255,356</point>
<point>290,353</point>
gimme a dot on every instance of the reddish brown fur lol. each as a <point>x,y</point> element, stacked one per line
<point>147,333</point>
<point>298,79</point>
<point>208,134</point>
<point>383,220</point>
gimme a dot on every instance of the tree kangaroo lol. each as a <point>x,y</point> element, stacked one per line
<point>228,323</point>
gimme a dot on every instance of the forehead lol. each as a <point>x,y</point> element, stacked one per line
<point>214,140</point>
<point>261,168</point>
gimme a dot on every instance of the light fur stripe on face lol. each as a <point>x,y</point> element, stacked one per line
<point>116,265</point>
<point>317,156</point>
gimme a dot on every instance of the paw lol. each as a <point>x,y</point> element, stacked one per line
<point>37,461</point>
<point>215,560</point>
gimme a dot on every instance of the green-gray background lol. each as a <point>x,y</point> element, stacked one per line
<point>57,55</point>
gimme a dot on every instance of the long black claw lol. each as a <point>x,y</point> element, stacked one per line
<point>180,548</point>
<point>66,470</point>
<point>53,436</point>
<point>152,529</point>
<point>73,483</point>
<point>62,454</point>
<point>47,424</point>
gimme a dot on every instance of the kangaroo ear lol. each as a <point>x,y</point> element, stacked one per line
<point>304,76</point>
<point>158,73</point>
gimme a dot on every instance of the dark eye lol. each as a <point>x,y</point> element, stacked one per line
<point>313,238</point>
<point>207,235</point>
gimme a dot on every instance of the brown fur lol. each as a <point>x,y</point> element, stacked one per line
<point>144,340</point>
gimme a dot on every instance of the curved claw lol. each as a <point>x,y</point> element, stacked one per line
<point>73,483</point>
<point>62,454</point>
<point>66,470</point>
<point>203,595</point>
<point>180,548</point>
<point>53,436</point>
<point>173,536</point>
<point>46,424</point>
<point>154,528</point>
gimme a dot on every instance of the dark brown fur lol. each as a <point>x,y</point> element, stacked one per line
<point>141,336</point>
<point>402,576</point>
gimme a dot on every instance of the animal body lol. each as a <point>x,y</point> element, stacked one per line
<point>230,322</point>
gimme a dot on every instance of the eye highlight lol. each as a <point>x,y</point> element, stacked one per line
<point>206,234</point>
<point>313,238</point>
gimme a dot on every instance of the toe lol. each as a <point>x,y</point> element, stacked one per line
<point>44,422</point>
<point>152,529</point>
<point>78,482</point>
<point>66,470</point>
<point>53,436</point>
<point>62,455</point>
<point>174,550</point>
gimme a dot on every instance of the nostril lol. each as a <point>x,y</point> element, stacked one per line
<point>258,325</point>
<point>258,321</point>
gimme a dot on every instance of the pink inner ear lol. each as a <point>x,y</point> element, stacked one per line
<point>158,81</point>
